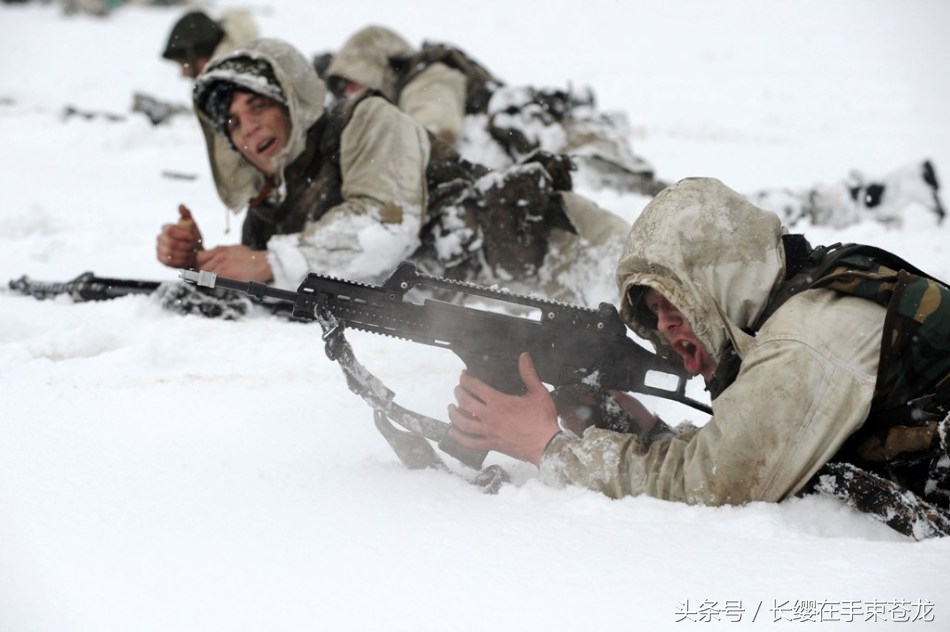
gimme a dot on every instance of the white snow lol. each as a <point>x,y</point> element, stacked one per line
<point>160,472</point>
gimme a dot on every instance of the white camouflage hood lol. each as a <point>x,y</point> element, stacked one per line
<point>365,59</point>
<point>711,253</point>
<point>304,93</point>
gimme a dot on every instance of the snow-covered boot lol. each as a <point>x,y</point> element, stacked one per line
<point>858,198</point>
<point>523,119</point>
<point>896,506</point>
<point>937,487</point>
<point>887,199</point>
<point>599,144</point>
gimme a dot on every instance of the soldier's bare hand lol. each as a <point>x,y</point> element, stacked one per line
<point>517,425</point>
<point>177,244</point>
<point>236,262</point>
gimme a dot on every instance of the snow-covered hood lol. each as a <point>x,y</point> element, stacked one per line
<point>304,94</point>
<point>711,253</point>
<point>239,28</point>
<point>365,59</point>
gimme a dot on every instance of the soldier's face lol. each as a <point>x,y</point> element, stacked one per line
<point>673,326</point>
<point>259,128</point>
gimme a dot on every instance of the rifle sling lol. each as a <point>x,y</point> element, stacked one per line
<point>371,389</point>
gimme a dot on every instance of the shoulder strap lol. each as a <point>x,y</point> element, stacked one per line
<point>480,83</point>
<point>337,118</point>
<point>807,267</point>
<point>803,264</point>
<point>871,273</point>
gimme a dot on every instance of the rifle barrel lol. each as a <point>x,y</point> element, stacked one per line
<point>257,290</point>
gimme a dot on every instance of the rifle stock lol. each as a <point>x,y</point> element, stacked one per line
<point>569,344</point>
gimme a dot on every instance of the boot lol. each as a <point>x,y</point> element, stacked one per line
<point>884,500</point>
<point>886,199</point>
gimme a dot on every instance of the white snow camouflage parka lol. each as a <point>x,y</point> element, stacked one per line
<point>435,98</point>
<point>239,28</point>
<point>806,380</point>
<point>383,156</point>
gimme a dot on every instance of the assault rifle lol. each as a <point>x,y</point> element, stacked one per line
<point>173,296</point>
<point>156,110</point>
<point>85,287</point>
<point>570,345</point>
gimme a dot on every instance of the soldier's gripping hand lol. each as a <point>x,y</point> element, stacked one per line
<point>178,244</point>
<point>520,426</point>
<point>237,262</point>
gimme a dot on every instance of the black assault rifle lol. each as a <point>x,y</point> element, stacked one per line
<point>172,295</point>
<point>85,287</point>
<point>569,344</point>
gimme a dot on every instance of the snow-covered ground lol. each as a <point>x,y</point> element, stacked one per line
<point>168,473</point>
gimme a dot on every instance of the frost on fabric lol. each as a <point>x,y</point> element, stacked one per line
<point>359,247</point>
<point>593,461</point>
<point>244,79</point>
<point>496,179</point>
<point>546,136</point>
<point>516,108</point>
<point>476,144</point>
<point>455,239</point>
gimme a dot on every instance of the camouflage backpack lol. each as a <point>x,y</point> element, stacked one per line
<point>896,466</point>
<point>486,225</point>
<point>480,83</point>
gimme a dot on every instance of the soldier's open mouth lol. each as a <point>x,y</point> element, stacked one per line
<point>689,352</point>
<point>686,348</point>
<point>266,145</point>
